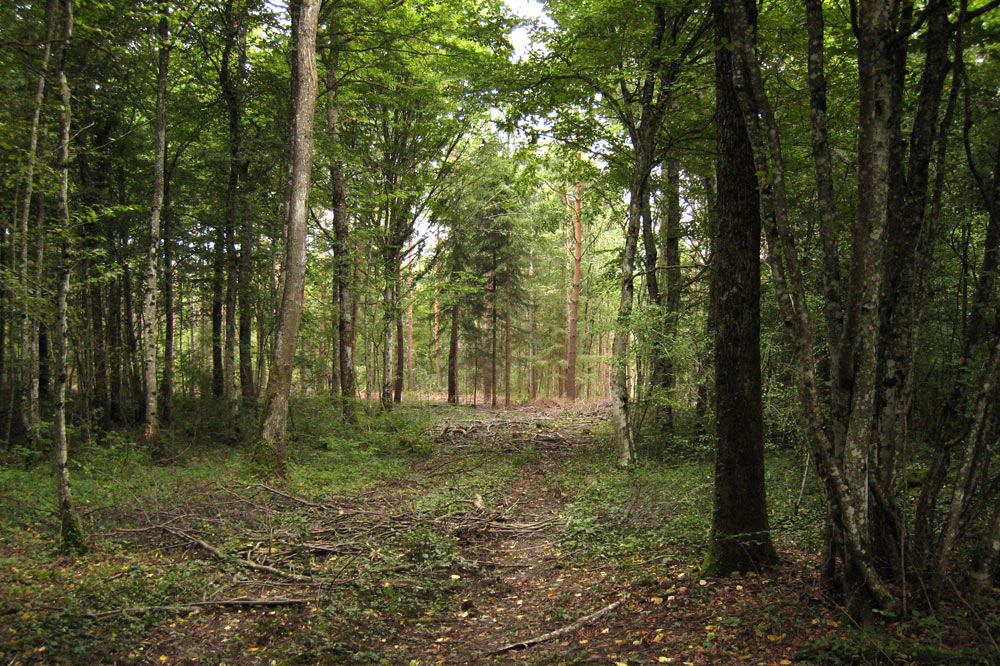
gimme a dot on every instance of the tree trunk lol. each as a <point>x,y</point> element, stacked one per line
<point>72,529</point>
<point>740,538</point>
<point>341,254</point>
<point>532,343</point>
<point>167,382</point>
<point>28,325</point>
<point>400,356</point>
<point>153,252</point>
<point>409,345</point>
<point>218,287</point>
<point>576,203</point>
<point>453,357</point>
<point>279,382</point>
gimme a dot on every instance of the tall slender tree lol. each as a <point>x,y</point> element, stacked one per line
<point>304,88</point>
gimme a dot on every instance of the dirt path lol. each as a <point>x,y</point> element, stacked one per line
<point>523,584</point>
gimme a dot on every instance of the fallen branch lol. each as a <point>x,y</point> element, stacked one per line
<point>276,601</point>
<point>217,554</point>
<point>559,633</point>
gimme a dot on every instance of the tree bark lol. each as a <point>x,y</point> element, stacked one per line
<point>28,324</point>
<point>341,251</point>
<point>279,381</point>
<point>575,203</point>
<point>740,538</point>
<point>453,357</point>
<point>149,321</point>
<point>72,529</point>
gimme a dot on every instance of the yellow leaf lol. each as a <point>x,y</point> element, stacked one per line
<point>656,600</point>
<point>703,582</point>
<point>832,623</point>
<point>772,637</point>
<point>785,662</point>
<point>163,658</point>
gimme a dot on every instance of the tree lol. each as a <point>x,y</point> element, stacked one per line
<point>304,85</point>
<point>72,529</point>
<point>149,319</point>
<point>741,538</point>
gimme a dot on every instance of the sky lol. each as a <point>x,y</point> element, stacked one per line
<point>527,9</point>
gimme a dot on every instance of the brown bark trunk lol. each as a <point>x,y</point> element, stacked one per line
<point>279,382</point>
<point>346,313</point>
<point>575,202</point>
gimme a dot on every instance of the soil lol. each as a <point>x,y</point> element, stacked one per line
<point>513,581</point>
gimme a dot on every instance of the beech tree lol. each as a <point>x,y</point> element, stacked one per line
<point>304,87</point>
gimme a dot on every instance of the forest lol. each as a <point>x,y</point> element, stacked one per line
<point>500,332</point>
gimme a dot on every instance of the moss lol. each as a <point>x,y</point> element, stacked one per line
<point>267,460</point>
<point>73,541</point>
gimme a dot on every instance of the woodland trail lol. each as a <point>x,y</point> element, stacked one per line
<point>529,584</point>
<point>526,585</point>
<point>411,548</point>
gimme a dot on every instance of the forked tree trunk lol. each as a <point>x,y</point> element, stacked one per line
<point>279,382</point>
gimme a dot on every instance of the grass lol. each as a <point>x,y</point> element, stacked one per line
<point>389,581</point>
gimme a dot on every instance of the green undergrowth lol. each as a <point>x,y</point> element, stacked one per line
<point>662,509</point>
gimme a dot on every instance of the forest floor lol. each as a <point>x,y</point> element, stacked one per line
<point>434,536</point>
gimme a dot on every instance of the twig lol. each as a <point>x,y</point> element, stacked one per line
<point>558,633</point>
<point>247,563</point>
<point>278,601</point>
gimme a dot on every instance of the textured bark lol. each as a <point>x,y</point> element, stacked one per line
<point>833,306</point>
<point>167,382</point>
<point>740,538</point>
<point>72,529</point>
<point>28,323</point>
<point>341,252</point>
<point>151,292</point>
<point>910,233</point>
<point>575,203</point>
<point>845,499</point>
<point>279,383</point>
